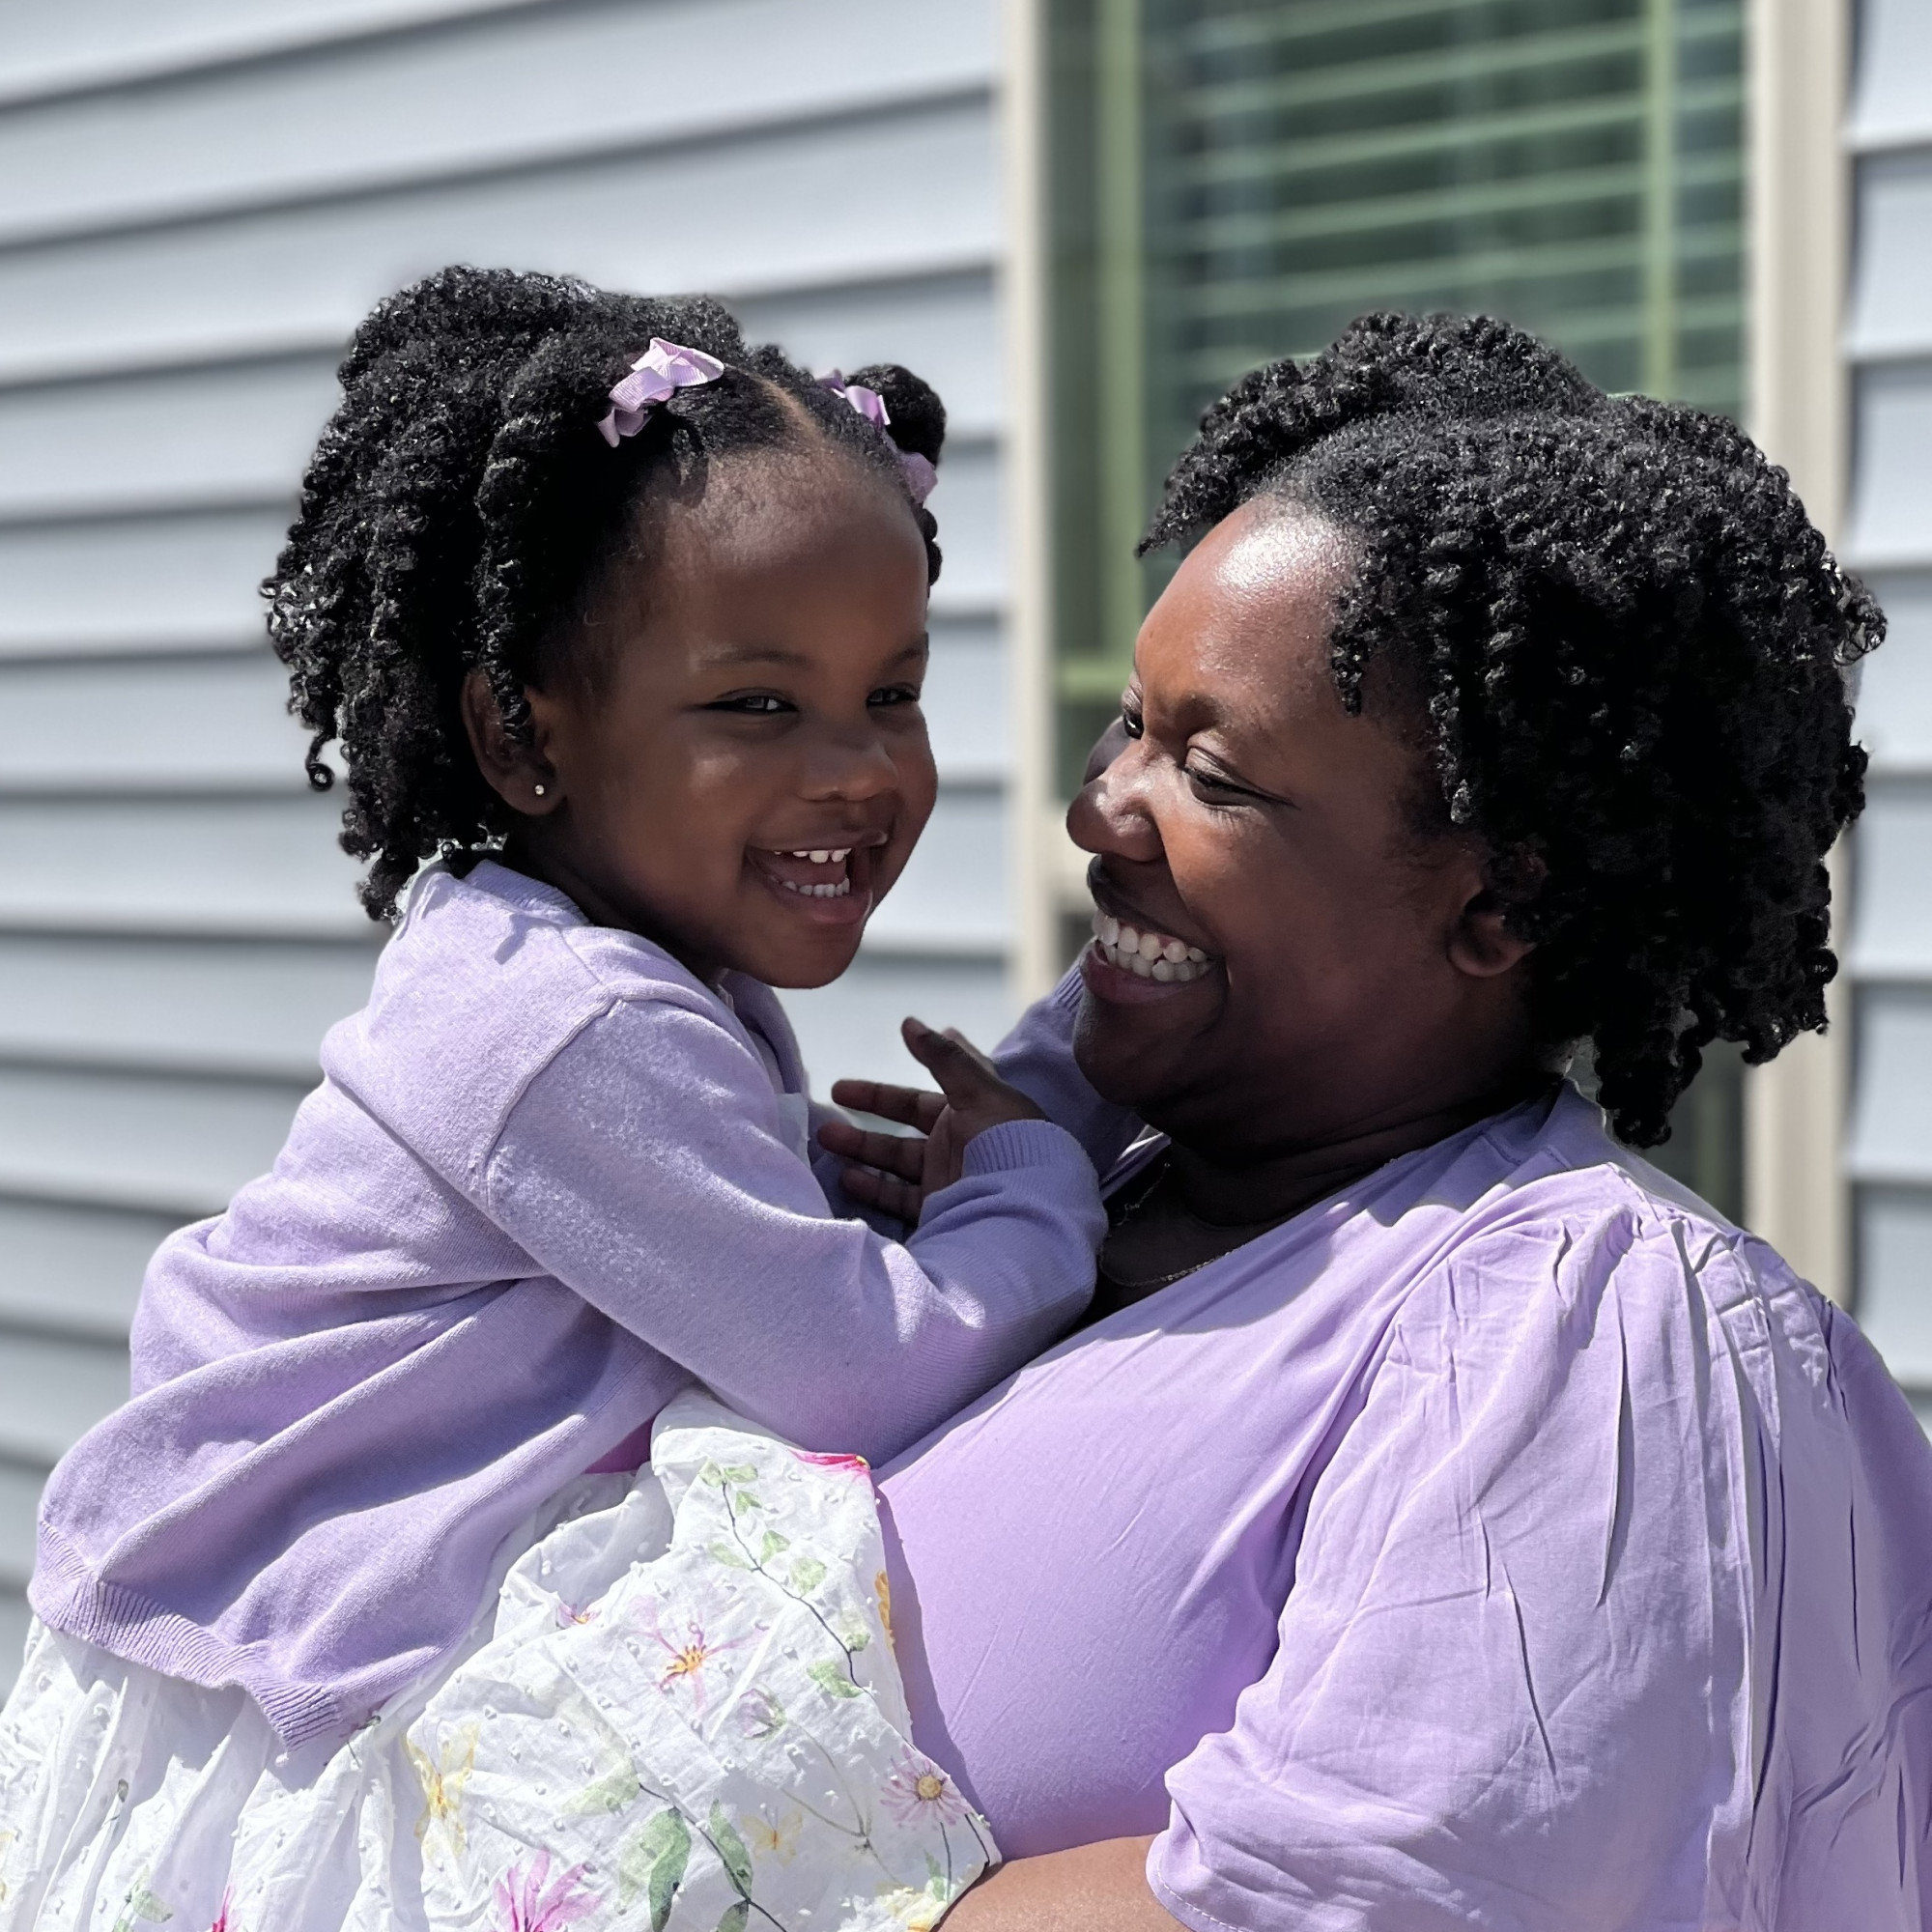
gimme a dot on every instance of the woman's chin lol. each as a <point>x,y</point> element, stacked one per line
<point>1130,1029</point>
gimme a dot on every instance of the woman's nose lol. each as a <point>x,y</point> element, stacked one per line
<point>1109,815</point>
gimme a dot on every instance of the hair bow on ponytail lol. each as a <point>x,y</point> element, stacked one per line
<point>658,374</point>
<point>919,474</point>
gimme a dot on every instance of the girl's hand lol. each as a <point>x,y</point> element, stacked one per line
<point>897,1172</point>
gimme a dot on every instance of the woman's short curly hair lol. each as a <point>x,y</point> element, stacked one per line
<point>1632,645</point>
<point>461,510</point>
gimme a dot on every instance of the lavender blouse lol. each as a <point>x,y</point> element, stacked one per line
<point>1507,1541</point>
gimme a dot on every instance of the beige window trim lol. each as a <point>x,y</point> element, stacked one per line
<point>1796,1194</point>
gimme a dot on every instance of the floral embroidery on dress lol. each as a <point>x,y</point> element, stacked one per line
<point>528,1899</point>
<point>443,1777</point>
<point>918,1786</point>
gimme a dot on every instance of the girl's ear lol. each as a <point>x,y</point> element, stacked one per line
<point>519,774</point>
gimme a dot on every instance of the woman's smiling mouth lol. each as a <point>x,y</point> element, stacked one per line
<point>1142,954</point>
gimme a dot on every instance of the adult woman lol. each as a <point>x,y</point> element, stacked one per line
<point>1446,1520</point>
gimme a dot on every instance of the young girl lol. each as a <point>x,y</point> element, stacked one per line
<point>623,622</point>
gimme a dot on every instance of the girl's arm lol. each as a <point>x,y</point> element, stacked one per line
<point>645,1167</point>
<point>1098,1888</point>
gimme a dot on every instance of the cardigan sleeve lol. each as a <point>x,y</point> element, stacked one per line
<point>645,1166</point>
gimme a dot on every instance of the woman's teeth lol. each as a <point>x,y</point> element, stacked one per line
<point>1151,955</point>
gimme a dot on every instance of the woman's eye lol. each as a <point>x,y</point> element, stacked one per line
<point>1212,782</point>
<point>896,694</point>
<point>1131,721</point>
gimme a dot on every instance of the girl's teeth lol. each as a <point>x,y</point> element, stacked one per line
<point>831,892</point>
<point>824,855</point>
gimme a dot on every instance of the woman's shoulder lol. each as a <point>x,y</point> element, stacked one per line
<point>1583,1239</point>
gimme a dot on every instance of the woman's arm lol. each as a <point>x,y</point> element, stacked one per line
<point>1098,1888</point>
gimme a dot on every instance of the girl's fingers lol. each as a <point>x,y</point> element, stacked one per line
<point>961,1069</point>
<point>903,1155</point>
<point>911,1106</point>
<point>886,1192</point>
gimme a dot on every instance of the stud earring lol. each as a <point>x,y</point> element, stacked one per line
<point>539,789</point>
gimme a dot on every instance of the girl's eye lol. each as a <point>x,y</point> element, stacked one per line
<point>896,694</point>
<point>753,705</point>
<point>1131,721</point>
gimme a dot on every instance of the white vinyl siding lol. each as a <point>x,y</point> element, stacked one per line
<point>197,203</point>
<point>1890,540</point>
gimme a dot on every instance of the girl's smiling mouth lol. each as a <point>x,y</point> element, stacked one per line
<point>832,884</point>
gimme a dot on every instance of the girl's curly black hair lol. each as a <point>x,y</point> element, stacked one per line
<point>461,510</point>
<point>1633,646</point>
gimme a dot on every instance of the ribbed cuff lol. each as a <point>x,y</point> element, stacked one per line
<point>1015,1145</point>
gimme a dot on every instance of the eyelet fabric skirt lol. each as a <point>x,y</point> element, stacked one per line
<point>679,1710</point>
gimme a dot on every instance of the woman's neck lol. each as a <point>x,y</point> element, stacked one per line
<point>1263,1187</point>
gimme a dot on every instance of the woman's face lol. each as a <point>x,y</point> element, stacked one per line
<point>1341,971</point>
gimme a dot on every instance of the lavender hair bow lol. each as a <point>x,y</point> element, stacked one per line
<point>659,373</point>
<point>919,474</point>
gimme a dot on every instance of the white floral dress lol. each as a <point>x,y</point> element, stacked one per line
<point>679,1711</point>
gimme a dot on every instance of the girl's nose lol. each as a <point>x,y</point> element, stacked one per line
<point>852,765</point>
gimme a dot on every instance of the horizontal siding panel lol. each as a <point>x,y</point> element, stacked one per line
<point>1895,1278</point>
<point>492,93</point>
<point>82,43</point>
<point>952,895</point>
<point>231,435</point>
<point>969,507</point>
<point>20,1486</point>
<point>256,865</point>
<point>52,1392</point>
<point>173,1147</point>
<point>1896,682</point>
<point>1891,1125</point>
<point>220,721</point>
<point>183,1005</point>
<point>225,435</point>
<point>1891,276</point>
<point>15,1618</point>
<point>851,1028</point>
<point>215,722</point>
<point>162,584</point>
<point>114,724</point>
<point>269,867</point>
<point>74,1270</point>
<point>946,329</point>
<point>1891,926</point>
<point>895,199</point>
<point>1891,94</point>
<point>1891,467</point>
<point>967,702</point>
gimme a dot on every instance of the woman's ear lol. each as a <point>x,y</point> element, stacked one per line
<point>1482,944</point>
<point>519,774</point>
